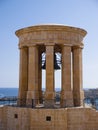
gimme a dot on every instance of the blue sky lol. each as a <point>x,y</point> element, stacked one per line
<point>16,14</point>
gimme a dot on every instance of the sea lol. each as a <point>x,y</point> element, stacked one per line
<point>7,92</point>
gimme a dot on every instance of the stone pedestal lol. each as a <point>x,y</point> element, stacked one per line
<point>67,99</point>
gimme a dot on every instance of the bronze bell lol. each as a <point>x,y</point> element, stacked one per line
<point>56,63</point>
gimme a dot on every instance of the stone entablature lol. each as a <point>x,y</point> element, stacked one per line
<point>55,34</point>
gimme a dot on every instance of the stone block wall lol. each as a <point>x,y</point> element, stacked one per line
<point>18,119</point>
<point>82,119</point>
<point>48,119</point>
<point>3,118</point>
<point>14,118</point>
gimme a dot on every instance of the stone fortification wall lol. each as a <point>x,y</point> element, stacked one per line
<point>12,118</point>
<point>48,119</point>
<point>3,118</point>
<point>82,119</point>
<point>18,119</point>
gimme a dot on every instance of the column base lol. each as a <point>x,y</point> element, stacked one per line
<point>82,97</point>
<point>66,99</point>
<point>22,99</point>
<point>49,99</point>
<point>32,98</point>
<point>79,98</point>
<point>40,97</point>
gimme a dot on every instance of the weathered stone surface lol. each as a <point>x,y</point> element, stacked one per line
<point>35,40</point>
<point>51,119</point>
<point>58,34</point>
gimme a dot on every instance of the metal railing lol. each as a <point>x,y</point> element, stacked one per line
<point>92,102</point>
<point>8,101</point>
<point>35,103</point>
<point>42,103</point>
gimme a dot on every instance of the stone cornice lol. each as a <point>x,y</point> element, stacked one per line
<point>50,35</point>
<point>37,28</point>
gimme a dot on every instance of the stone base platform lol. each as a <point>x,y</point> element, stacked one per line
<point>79,118</point>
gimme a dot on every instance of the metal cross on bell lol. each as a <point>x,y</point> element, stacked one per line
<point>57,62</point>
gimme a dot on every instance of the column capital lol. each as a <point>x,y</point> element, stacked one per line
<point>78,46</point>
<point>26,45</point>
<point>68,45</point>
<point>23,47</point>
<point>32,45</point>
<point>20,46</point>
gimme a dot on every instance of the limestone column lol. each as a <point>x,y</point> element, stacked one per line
<point>49,94</point>
<point>23,76</point>
<point>78,94</point>
<point>32,94</point>
<point>66,90</point>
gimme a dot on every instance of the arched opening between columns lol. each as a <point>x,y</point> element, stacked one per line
<point>57,75</point>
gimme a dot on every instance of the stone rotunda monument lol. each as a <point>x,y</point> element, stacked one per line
<point>51,39</point>
<point>40,46</point>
